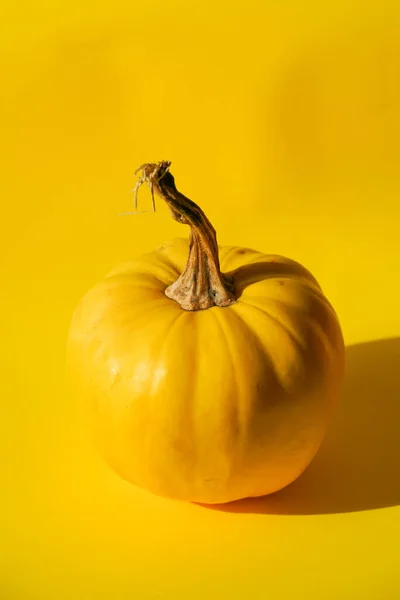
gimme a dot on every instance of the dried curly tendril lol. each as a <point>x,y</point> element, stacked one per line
<point>150,173</point>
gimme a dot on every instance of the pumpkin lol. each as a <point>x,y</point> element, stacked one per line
<point>210,373</point>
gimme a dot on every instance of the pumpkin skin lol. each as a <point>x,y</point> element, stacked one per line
<point>213,405</point>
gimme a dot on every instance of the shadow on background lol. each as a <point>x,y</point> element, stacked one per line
<point>358,465</point>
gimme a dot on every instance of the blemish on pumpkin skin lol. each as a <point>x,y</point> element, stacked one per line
<point>116,378</point>
<point>281,283</point>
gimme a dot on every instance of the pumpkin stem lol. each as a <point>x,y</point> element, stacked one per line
<point>201,285</point>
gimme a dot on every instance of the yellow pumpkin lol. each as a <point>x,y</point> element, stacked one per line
<point>204,386</point>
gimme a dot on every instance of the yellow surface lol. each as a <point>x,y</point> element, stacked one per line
<point>283,121</point>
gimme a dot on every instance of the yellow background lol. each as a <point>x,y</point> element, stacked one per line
<point>282,119</point>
